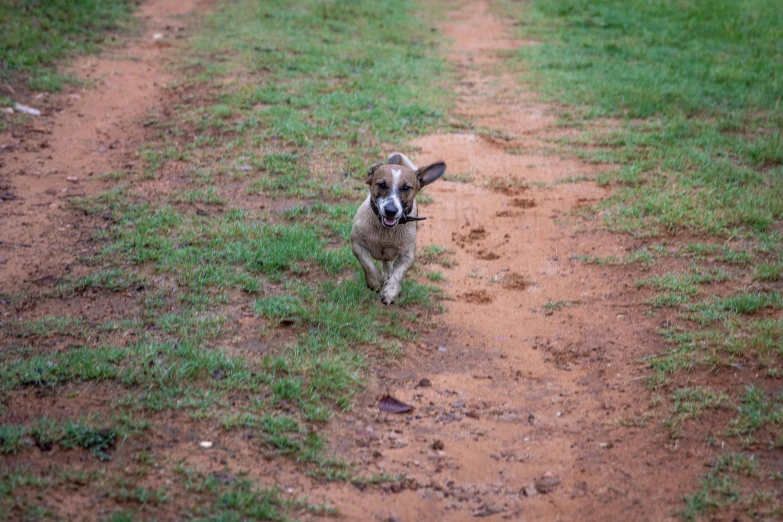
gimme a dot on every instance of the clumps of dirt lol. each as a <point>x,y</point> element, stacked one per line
<point>487,255</point>
<point>507,186</point>
<point>507,213</point>
<point>5,192</point>
<point>476,297</point>
<point>473,236</point>
<point>514,281</point>
<point>523,203</point>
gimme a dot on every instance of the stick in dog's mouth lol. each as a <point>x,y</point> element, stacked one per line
<point>393,222</point>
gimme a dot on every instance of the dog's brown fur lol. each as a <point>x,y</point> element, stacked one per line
<point>394,246</point>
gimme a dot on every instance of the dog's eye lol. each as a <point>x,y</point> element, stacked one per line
<point>405,188</point>
<point>383,185</point>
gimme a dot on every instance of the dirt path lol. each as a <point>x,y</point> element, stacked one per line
<point>519,391</point>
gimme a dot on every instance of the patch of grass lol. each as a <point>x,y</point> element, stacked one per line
<point>35,37</point>
<point>226,497</point>
<point>436,277</point>
<point>745,303</point>
<point>435,254</point>
<point>550,307</point>
<point>684,283</point>
<point>643,258</point>
<point>208,196</point>
<point>46,327</point>
<point>113,280</point>
<point>756,411</point>
<point>460,177</point>
<point>689,402</point>
<point>721,488</point>
<point>11,438</point>
<point>46,433</point>
<point>766,272</point>
<point>683,355</point>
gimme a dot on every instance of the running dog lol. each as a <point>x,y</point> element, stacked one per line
<point>384,227</point>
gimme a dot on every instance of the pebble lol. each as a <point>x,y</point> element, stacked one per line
<point>547,483</point>
<point>27,110</point>
<point>205,444</point>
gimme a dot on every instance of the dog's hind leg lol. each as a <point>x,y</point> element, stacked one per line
<point>372,276</point>
<point>391,288</point>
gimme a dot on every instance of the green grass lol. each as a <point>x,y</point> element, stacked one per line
<point>697,90</point>
<point>684,283</point>
<point>35,36</point>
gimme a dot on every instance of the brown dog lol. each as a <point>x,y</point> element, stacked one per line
<point>384,227</point>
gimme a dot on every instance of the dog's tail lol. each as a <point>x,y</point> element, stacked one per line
<point>398,158</point>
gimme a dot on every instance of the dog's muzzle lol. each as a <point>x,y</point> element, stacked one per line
<point>393,222</point>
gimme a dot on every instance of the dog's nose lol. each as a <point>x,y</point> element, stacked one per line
<point>390,209</point>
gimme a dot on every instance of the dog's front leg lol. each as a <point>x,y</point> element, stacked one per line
<point>391,288</point>
<point>371,274</point>
<point>388,268</point>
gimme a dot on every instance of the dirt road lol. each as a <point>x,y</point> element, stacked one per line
<point>529,396</point>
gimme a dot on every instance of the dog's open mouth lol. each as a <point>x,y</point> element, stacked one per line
<point>389,222</point>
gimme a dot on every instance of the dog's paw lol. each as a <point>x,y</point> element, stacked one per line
<point>388,295</point>
<point>375,286</point>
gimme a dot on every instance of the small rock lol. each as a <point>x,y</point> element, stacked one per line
<point>473,414</point>
<point>487,510</point>
<point>72,179</point>
<point>459,404</point>
<point>157,36</point>
<point>547,483</point>
<point>424,383</point>
<point>3,260</point>
<point>27,110</point>
<point>205,444</point>
<point>606,445</point>
<point>438,445</point>
<point>530,490</point>
<point>442,348</point>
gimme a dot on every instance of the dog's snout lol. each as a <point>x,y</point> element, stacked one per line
<point>390,209</point>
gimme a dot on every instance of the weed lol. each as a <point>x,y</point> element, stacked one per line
<point>11,438</point>
<point>756,411</point>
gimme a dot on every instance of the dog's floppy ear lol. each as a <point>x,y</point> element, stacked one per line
<point>430,173</point>
<point>371,172</point>
<point>398,158</point>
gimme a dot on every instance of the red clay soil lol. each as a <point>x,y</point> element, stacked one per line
<point>519,408</point>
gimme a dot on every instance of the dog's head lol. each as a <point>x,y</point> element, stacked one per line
<point>394,185</point>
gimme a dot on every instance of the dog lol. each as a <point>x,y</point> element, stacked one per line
<point>384,227</point>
